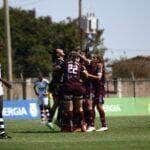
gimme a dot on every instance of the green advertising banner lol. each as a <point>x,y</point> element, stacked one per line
<point>127,106</point>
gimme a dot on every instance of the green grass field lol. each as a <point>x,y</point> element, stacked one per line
<point>125,133</point>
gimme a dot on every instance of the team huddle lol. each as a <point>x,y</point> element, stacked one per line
<point>77,87</point>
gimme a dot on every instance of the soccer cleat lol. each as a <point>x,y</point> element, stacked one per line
<point>102,129</point>
<point>4,136</point>
<point>90,129</point>
<point>50,125</point>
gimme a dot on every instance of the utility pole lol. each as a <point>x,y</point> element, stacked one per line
<point>80,8</point>
<point>79,20</point>
<point>8,46</point>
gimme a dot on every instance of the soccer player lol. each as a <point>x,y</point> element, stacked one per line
<point>55,86</point>
<point>3,134</point>
<point>89,95</point>
<point>41,90</point>
<point>73,92</point>
<point>98,77</point>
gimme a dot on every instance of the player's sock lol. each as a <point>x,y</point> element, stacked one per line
<point>64,118</point>
<point>86,113</point>
<point>91,118</point>
<point>47,112</point>
<point>87,116</point>
<point>83,124</point>
<point>42,115</point>
<point>2,129</point>
<point>42,111</point>
<point>75,119</point>
<point>67,124</point>
<point>59,115</point>
<point>52,112</point>
<point>81,113</point>
<point>70,120</point>
<point>103,119</point>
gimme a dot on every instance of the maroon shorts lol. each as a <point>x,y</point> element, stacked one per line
<point>99,99</point>
<point>75,89</point>
<point>99,94</point>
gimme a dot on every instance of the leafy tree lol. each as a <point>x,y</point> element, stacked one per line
<point>137,67</point>
<point>34,40</point>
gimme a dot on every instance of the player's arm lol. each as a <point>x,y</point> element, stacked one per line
<point>86,60</point>
<point>35,90</point>
<point>56,67</point>
<point>6,83</point>
<point>96,77</point>
<point>47,88</point>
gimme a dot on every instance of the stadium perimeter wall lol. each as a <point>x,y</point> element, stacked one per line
<point>28,109</point>
<point>115,88</point>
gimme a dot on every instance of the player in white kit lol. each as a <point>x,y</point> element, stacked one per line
<point>41,90</point>
<point>3,134</point>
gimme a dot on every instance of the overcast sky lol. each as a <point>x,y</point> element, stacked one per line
<point>126,22</point>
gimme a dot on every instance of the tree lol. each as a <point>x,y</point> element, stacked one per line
<point>34,40</point>
<point>137,67</point>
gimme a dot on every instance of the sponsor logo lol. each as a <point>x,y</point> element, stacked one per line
<point>16,111</point>
<point>112,108</point>
<point>33,109</point>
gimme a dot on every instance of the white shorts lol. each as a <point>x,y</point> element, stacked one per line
<point>43,101</point>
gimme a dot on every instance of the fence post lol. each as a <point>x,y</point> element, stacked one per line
<point>107,82</point>
<point>24,89</point>
<point>23,83</point>
<point>28,88</point>
<point>134,92</point>
<point>119,87</point>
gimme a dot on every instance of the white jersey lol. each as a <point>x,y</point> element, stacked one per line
<point>1,85</point>
<point>42,87</point>
<point>1,89</point>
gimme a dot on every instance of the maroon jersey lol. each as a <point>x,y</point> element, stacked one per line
<point>57,77</point>
<point>99,87</point>
<point>92,85</point>
<point>73,72</point>
<point>89,82</point>
<point>58,69</point>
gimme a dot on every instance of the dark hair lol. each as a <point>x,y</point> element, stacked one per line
<point>73,55</point>
<point>100,59</point>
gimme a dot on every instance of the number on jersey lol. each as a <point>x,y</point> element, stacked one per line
<point>72,69</point>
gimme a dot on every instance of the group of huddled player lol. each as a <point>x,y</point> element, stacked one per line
<point>77,87</point>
